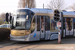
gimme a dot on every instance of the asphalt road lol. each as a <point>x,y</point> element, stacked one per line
<point>66,44</point>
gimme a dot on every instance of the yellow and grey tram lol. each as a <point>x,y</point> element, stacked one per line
<point>33,25</point>
<point>41,24</point>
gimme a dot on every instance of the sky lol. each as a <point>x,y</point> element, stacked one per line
<point>10,5</point>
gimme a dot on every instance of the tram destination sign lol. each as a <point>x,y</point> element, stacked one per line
<point>58,24</point>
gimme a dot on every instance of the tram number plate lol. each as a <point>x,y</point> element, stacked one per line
<point>58,24</point>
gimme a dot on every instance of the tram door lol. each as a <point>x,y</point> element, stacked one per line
<point>41,26</point>
<point>68,26</point>
<point>74,25</point>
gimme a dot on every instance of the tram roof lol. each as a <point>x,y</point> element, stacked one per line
<point>40,10</point>
<point>68,14</point>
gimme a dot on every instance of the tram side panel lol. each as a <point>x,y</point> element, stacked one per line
<point>74,25</point>
<point>54,29</point>
<point>49,33</point>
<point>69,30</point>
<point>34,34</point>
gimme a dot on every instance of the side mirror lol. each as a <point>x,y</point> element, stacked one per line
<point>26,17</point>
<point>32,13</point>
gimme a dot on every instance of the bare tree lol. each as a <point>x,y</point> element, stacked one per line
<point>56,4</point>
<point>72,7</point>
<point>1,21</point>
<point>29,3</point>
<point>2,15</point>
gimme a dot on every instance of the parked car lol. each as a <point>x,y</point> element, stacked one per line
<point>5,26</point>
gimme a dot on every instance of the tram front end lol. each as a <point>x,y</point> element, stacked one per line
<point>21,25</point>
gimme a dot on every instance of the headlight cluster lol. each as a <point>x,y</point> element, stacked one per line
<point>17,37</point>
<point>26,36</point>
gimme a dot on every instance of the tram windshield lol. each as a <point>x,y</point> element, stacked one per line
<point>22,20</point>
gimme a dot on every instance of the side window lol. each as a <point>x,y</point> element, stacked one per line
<point>38,23</point>
<point>33,26</point>
<point>74,22</point>
<point>28,24</point>
<point>53,25</point>
<point>47,23</point>
<point>31,14</point>
<point>69,23</point>
<point>63,23</point>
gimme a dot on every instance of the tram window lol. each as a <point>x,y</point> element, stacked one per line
<point>33,25</point>
<point>53,25</point>
<point>74,22</point>
<point>42,23</point>
<point>63,23</point>
<point>12,24</point>
<point>31,14</point>
<point>47,23</point>
<point>38,23</point>
<point>69,23</point>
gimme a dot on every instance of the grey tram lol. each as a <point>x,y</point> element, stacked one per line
<point>40,24</point>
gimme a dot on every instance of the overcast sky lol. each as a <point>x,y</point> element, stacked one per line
<point>10,5</point>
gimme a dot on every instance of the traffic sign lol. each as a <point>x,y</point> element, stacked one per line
<point>58,24</point>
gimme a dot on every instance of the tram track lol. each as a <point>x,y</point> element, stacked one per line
<point>66,43</point>
<point>4,44</point>
<point>27,45</point>
<point>20,44</point>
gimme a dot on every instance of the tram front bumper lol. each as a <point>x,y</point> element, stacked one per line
<point>17,38</point>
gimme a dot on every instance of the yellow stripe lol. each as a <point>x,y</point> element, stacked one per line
<point>20,32</point>
<point>54,30</point>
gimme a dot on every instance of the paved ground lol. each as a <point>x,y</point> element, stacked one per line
<point>67,44</point>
